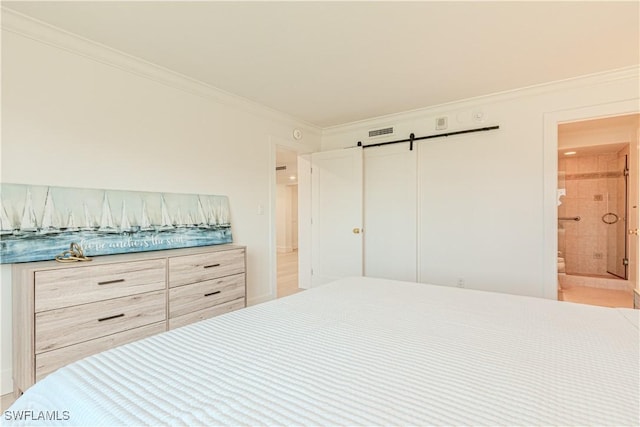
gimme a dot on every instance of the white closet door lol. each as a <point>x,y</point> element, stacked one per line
<point>390,216</point>
<point>467,237</point>
<point>336,205</point>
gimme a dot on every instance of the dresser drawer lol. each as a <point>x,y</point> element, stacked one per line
<point>197,296</point>
<point>73,286</point>
<point>72,325</point>
<point>49,361</point>
<point>197,268</point>
<point>206,313</point>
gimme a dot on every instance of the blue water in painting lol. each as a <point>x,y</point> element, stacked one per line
<point>33,246</point>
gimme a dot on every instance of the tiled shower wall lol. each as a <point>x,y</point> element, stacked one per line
<point>589,195</point>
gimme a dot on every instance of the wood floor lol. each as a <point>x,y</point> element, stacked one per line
<point>288,274</point>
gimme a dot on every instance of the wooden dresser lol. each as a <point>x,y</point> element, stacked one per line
<point>63,312</point>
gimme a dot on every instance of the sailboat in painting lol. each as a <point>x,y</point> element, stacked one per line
<point>125,225</point>
<point>213,216</point>
<point>220,215</point>
<point>6,227</point>
<point>28,222</point>
<point>189,221</point>
<point>224,216</point>
<point>49,223</point>
<point>88,224</point>
<point>179,222</point>
<point>71,223</point>
<point>166,223</point>
<point>145,222</point>
<point>202,218</point>
<point>106,220</point>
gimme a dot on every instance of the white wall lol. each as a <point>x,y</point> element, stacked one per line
<point>70,120</point>
<point>483,196</point>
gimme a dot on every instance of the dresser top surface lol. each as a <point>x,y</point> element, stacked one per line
<point>137,256</point>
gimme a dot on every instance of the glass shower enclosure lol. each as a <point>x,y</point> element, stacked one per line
<point>592,213</point>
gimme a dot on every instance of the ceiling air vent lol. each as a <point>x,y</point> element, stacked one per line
<point>381,132</point>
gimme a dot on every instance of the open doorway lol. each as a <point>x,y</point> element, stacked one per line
<point>597,203</point>
<point>287,221</point>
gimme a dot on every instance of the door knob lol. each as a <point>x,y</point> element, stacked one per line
<point>356,231</point>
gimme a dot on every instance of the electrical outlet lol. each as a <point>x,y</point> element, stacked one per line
<point>460,283</point>
<point>597,255</point>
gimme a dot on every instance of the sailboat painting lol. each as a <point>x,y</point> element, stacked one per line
<point>39,222</point>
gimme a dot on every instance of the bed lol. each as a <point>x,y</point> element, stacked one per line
<point>363,351</point>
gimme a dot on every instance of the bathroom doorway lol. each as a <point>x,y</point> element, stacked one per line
<point>595,160</point>
<point>287,221</point>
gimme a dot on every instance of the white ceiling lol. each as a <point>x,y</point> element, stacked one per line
<point>329,63</point>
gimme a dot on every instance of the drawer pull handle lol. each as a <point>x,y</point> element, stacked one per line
<point>111,317</point>
<point>212,293</point>
<point>212,265</point>
<point>109,282</point>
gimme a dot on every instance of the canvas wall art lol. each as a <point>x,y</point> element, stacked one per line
<point>39,222</point>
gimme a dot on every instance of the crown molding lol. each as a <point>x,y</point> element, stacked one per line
<point>627,73</point>
<point>34,29</point>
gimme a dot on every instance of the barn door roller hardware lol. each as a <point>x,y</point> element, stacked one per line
<point>413,138</point>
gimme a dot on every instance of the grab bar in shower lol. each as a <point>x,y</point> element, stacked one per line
<point>569,218</point>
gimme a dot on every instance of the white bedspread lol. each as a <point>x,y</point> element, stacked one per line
<point>365,352</point>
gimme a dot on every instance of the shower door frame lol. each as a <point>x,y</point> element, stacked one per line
<point>625,222</point>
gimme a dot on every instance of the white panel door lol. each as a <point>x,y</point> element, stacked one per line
<point>390,212</point>
<point>336,204</point>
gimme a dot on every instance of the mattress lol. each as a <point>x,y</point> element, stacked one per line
<point>362,351</point>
